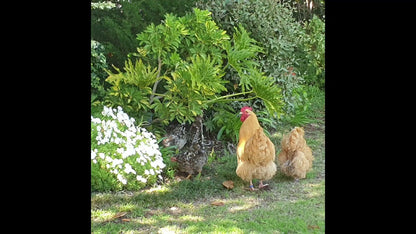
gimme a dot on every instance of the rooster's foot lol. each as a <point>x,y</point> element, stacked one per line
<point>264,186</point>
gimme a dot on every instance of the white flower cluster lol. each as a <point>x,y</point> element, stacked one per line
<point>130,140</point>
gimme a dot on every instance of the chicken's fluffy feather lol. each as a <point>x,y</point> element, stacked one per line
<point>295,158</point>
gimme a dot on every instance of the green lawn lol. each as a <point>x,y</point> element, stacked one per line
<point>186,206</point>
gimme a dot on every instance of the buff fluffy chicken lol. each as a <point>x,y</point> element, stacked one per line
<point>295,159</point>
<point>255,151</point>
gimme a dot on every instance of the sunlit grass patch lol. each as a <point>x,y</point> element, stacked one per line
<point>101,215</point>
<point>242,204</point>
<point>170,229</point>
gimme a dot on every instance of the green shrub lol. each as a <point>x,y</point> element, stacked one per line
<point>224,121</point>
<point>179,72</point>
<point>306,10</point>
<point>131,89</point>
<point>272,24</point>
<point>98,74</point>
<point>116,28</point>
<point>123,155</point>
<point>293,45</point>
<point>313,63</point>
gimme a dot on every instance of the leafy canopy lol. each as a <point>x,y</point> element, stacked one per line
<point>186,59</point>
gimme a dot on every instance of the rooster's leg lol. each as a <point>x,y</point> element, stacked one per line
<point>261,185</point>
<point>252,186</point>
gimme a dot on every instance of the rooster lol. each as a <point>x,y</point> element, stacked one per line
<point>295,159</point>
<point>255,151</point>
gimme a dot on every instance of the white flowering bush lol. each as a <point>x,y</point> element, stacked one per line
<point>123,155</point>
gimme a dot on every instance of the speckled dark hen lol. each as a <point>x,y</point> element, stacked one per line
<point>192,156</point>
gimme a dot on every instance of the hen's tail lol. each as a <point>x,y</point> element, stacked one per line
<point>297,167</point>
